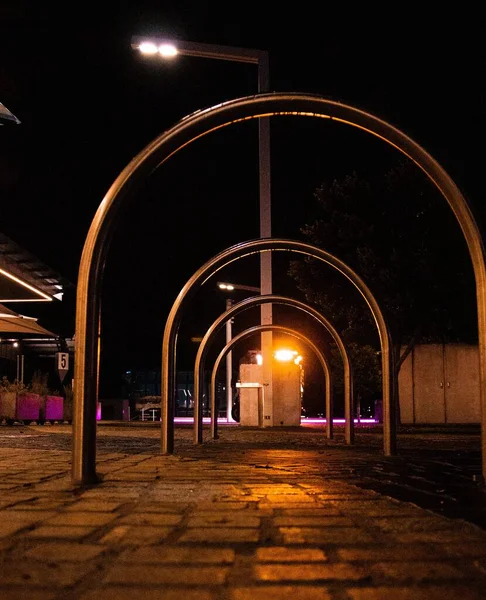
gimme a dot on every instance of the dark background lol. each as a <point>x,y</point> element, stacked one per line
<point>88,104</point>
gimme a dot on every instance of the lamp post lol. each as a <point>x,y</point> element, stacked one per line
<point>169,48</point>
<point>229,287</point>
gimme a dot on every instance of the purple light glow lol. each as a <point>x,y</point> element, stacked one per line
<point>224,421</point>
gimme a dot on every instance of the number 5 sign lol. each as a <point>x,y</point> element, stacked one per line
<point>62,363</point>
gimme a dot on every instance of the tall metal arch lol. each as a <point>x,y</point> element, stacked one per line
<point>289,331</point>
<point>161,149</point>
<point>250,303</point>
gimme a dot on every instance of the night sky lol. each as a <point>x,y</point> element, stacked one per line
<point>88,104</point>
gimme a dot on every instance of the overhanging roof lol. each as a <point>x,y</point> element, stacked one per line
<point>24,278</point>
<point>6,115</point>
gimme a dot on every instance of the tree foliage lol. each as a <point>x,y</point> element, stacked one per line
<point>396,231</point>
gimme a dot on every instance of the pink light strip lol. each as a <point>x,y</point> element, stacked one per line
<point>224,421</point>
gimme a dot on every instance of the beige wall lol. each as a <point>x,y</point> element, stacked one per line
<point>439,383</point>
<point>286,396</point>
<point>251,404</point>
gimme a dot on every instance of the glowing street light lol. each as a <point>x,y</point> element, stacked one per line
<point>165,48</point>
<point>285,355</point>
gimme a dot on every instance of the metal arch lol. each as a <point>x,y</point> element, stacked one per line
<point>161,149</point>
<point>239,251</point>
<point>289,331</point>
<point>250,303</point>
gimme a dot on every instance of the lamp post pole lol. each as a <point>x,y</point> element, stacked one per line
<point>229,368</point>
<point>229,287</point>
<point>169,48</point>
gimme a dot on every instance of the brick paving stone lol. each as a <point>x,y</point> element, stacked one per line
<point>465,548</point>
<point>325,535</point>
<point>288,505</point>
<point>224,519</point>
<point>136,535</point>
<point>116,535</point>
<point>5,544</point>
<point>41,504</point>
<point>230,505</point>
<point>412,572</point>
<point>112,495</point>
<point>7,529</point>
<point>12,593</point>
<point>147,593</point>
<point>318,511</point>
<point>289,499</point>
<point>310,572</point>
<point>283,554</point>
<point>439,536</point>
<point>280,592</point>
<point>157,574</point>
<point>37,573</point>
<point>406,552</point>
<point>480,565</point>
<point>144,518</point>
<point>28,517</point>
<point>180,555</point>
<point>409,524</point>
<point>72,552</point>
<point>80,518</point>
<point>217,535</point>
<point>93,505</point>
<point>61,532</point>
<point>150,504</point>
<point>313,521</point>
<point>377,508</point>
<point>225,523</point>
<point>444,592</point>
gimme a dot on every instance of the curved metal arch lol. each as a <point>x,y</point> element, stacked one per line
<point>161,149</point>
<point>250,303</point>
<point>230,255</point>
<point>289,331</point>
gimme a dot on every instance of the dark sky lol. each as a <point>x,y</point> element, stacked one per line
<point>88,104</point>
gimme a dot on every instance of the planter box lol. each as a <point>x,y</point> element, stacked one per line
<point>54,408</point>
<point>8,405</point>
<point>28,407</point>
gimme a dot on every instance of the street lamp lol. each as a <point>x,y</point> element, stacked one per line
<point>229,287</point>
<point>169,48</point>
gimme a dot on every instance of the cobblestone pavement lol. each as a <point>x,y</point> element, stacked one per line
<point>256,514</point>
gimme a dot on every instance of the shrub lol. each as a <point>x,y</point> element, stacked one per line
<point>16,386</point>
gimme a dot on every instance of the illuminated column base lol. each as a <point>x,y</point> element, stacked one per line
<point>267,375</point>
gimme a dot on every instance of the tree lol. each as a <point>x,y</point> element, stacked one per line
<point>397,232</point>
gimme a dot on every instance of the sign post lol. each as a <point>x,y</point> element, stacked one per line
<point>62,363</point>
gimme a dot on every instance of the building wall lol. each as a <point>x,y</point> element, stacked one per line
<point>287,399</point>
<point>251,399</point>
<point>439,383</point>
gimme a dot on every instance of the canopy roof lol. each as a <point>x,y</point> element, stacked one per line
<point>6,115</point>
<point>25,278</point>
<point>15,323</point>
